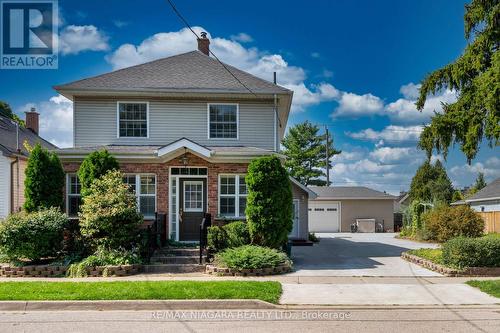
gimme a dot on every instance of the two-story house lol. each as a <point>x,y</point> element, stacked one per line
<point>184,129</point>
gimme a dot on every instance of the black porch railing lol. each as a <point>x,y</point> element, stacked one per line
<point>205,224</point>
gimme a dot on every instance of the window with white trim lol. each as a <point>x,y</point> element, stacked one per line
<point>223,121</point>
<point>232,196</point>
<point>132,120</point>
<point>193,196</point>
<point>144,188</point>
<point>73,197</point>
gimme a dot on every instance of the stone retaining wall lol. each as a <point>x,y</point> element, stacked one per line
<point>60,271</point>
<point>212,269</point>
<point>471,271</point>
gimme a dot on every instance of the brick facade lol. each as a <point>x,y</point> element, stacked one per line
<point>161,170</point>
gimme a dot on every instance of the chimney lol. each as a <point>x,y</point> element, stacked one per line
<point>204,44</point>
<point>32,120</point>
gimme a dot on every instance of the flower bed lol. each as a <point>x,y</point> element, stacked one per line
<point>60,271</point>
<point>470,271</point>
<point>222,271</point>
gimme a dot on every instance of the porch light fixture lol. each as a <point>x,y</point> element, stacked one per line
<point>184,158</point>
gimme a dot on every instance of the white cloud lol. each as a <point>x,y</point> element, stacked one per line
<point>389,133</point>
<point>489,169</point>
<point>389,155</point>
<point>74,39</point>
<point>252,60</point>
<point>315,55</point>
<point>56,119</point>
<point>242,38</point>
<point>410,90</point>
<point>120,23</point>
<point>353,105</point>
<point>327,74</point>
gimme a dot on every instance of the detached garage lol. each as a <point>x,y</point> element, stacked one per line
<point>336,208</point>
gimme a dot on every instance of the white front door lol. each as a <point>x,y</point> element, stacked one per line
<point>324,216</point>
<point>295,229</point>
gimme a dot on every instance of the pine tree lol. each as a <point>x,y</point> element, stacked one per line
<point>305,150</point>
<point>44,182</point>
<point>475,75</point>
<point>431,183</point>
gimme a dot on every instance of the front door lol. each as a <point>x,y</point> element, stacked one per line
<point>192,207</point>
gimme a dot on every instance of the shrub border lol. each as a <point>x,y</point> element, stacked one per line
<point>447,271</point>
<point>56,271</point>
<point>222,271</point>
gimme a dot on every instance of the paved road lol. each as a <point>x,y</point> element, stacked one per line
<point>359,254</point>
<point>486,319</point>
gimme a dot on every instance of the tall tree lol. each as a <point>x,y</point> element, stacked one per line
<point>475,76</point>
<point>44,182</point>
<point>480,182</point>
<point>431,183</point>
<point>6,111</point>
<point>305,150</point>
<point>94,166</point>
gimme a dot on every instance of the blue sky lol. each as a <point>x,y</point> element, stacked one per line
<point>353,65</point>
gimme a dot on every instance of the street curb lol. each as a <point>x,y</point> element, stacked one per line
<point>135,305</point>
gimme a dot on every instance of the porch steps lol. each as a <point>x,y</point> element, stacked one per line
<point>175,260</point>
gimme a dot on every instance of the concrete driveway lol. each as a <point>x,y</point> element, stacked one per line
<point>358,254</point>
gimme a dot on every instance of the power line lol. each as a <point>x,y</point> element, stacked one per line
<point>170,2</point>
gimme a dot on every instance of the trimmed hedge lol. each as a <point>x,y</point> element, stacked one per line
<point>251,257</point>
<point>463,252</point>
<point>445,222</point>
<point>231,235</point>
<point>33,236</point>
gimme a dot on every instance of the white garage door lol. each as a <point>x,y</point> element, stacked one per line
<point>324,216</point>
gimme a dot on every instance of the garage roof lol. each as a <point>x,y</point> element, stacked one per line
<point>349,192</point>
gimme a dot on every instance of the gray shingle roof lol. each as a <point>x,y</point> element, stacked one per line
<point>187,72</point>
<point>349,192</point>
<point>8,138</point>
<point>492,190</point>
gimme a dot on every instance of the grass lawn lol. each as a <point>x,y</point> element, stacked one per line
<point>434,255</point>
<point>140,290</point>
<point>491,287</point>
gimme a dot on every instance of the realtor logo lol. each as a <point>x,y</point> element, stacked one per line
<point>29,34</point>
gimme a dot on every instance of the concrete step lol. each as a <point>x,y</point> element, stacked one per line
<point>173,268</point>
<point>177,251</point>
<point>175,259</point>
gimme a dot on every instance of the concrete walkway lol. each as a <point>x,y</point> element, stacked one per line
<point>358,254</point>
<point>384,294</point>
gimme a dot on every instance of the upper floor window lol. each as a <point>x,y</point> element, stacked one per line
<point>133,120</point>
<point>223,121</point>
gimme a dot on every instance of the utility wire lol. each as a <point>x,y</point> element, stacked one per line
<point>174,8</point>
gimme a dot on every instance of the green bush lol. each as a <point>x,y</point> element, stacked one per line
<point>269,202</point>
<point>464,252</point>
<point>313,238</point>
<point>93,167</point>
<point>44,182</point>
<point>108,214</point>
<point>33,236</point>
<point>445,222</point>
<point>216,238</point>
<point>237,234</point>
<point>104,257</point>
<point>250,257</point>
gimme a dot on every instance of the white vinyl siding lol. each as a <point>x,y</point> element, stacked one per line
<point>96,124</point>
<point>4,186</point>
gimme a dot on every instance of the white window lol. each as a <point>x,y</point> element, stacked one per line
<point>223,121</point>
<point>193,196</point>
<point>144,188</point>
<point>73,198</point>
<point>133,119</point>
<point>232,196</point>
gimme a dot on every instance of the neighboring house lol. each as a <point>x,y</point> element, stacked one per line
<point>487,203</point>
<point>336,208</point>
<point>13,159</point>
<point>401,202</point>
<point>184,130</point>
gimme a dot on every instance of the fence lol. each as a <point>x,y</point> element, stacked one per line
<point>491,221</point>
